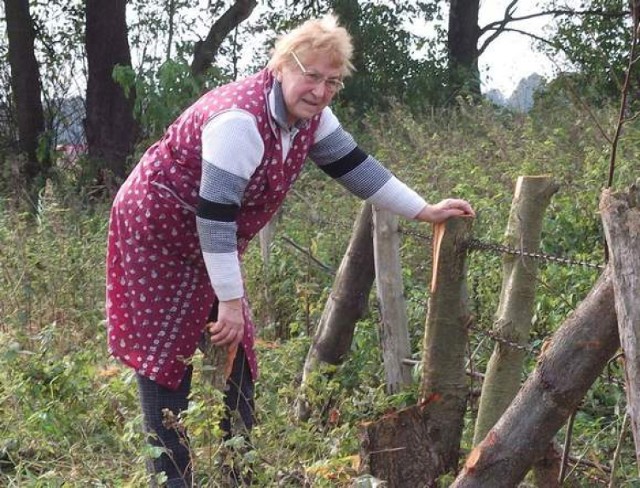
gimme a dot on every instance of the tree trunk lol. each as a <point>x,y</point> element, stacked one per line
<point>462,46</point>
<point>205,51</point>
<point>444,386</point>
<point>347,304</point>
<point>621,218</point>
<point>400,450</point>
<point>413,447</point>
<point>515,310</point>
<point>110,126</point>
<point>394,332</point>
<point>546,471</point>
<point>26,87</point>
<point>567,367</point>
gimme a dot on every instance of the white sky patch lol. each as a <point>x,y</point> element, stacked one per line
<point>512,56</point>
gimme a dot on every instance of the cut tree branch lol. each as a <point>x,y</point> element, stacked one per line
<point>205,51</point>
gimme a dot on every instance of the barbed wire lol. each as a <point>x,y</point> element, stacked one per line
<point>475,244</point>
<point>479,245</point>
<point>493,335</point>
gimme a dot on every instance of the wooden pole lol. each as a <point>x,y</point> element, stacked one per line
<point>394,331</point>
<point>515,310</point>
<point>566,369</point>
<point>445,389</point>
<point>414,446</point>
<point>266,236</point>
<point>621,218</point>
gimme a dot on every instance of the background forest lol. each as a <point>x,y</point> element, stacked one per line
<point>87,85</point>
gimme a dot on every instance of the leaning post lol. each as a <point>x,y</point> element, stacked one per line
<point>346,305</point>
<point>621,217</point>
<point>517,297</point>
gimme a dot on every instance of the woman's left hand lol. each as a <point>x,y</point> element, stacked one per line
<point>445,209</point>
<point>229,328</point>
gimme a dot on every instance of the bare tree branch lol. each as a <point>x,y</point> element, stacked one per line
<point>205,51</point>
<point>623,103</point>
<point>511,29</point>
<point>500,26</point>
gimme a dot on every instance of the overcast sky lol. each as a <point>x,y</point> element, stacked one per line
<point>511,56</point>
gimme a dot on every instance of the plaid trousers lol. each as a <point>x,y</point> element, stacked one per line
<point>176,462</point>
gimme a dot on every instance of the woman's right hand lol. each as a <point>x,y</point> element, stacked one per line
<point>445,209</point>
<point>229,328</point>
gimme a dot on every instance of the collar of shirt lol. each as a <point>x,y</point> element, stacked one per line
<point>278,109</point>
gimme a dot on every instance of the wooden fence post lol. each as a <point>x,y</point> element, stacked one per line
<point>394,332</point>
<point>621,218</point>
<point>444,388</point>
<point>266,236</point>
<point>414,446</point>
<point>346,304</point>
<point>566,369</point>
<point>515,310</point>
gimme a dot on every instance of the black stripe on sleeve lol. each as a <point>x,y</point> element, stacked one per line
<point>345,164</point>
<point>222,212</point>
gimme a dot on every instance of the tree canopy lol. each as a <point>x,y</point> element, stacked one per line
<point>420,53</point>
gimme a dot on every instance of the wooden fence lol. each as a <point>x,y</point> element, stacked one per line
<point>516,423</point>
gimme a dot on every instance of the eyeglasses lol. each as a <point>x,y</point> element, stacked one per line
<point>334,85</point>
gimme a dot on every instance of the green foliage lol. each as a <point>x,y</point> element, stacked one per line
<point>70,414</point>
<point>161,96</point>
<point>387,67</point>
<point>596,47</point>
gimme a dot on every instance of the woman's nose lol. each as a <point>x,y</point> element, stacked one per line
<point>320,89</point>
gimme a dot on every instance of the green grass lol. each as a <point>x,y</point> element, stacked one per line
<point>69,412</point>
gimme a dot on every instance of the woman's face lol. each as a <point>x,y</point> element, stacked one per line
<point>308,85</point>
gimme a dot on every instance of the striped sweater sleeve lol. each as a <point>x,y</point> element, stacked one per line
<point>337,154</point>
<point>232,149</point>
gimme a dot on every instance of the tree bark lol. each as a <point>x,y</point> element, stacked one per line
<point>205,51</point>
<point>515,310</point>
<point>347,304</point>
<point>414,446</point>
<point>567,367</point>
<point>444,387</point>
<point>110,126</point>
<point>462,47</point>
<point>621,218</point>
<point>27,90</point>
<point>400,450</point>
<point>394,331</point>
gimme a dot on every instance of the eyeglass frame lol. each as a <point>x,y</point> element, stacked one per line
<point>334,85</point>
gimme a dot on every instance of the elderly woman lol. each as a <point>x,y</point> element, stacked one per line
<point>184,217</point>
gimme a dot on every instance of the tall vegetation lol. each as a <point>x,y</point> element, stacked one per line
<point>70,413</point>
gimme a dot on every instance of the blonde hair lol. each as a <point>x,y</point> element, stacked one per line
<point>322,36</point>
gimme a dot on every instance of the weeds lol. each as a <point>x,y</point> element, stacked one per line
<point>70,415</point>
